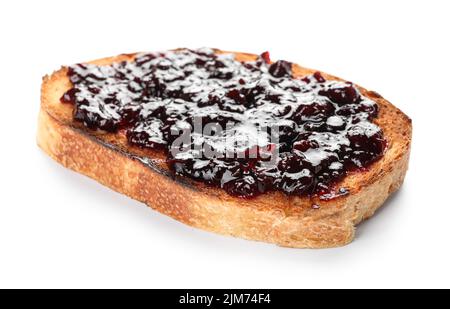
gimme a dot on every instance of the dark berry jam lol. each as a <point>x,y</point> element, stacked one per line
<point>247,127</point>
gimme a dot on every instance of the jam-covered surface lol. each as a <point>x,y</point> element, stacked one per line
<point>247,127</point>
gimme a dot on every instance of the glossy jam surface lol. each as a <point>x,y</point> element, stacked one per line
<point>247,127</point>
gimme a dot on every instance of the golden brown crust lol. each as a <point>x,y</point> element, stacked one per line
<point>272,217</point>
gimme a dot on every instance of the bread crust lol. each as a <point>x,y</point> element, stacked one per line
<point>273,217</point>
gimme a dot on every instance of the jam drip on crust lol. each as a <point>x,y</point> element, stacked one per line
<point>247,127</point>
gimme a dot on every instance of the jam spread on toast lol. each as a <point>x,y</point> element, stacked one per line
<point>247,127</point>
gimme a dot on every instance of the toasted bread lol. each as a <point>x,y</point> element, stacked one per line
<point>273,217</point>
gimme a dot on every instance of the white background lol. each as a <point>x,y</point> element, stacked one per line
<point>61,229</point>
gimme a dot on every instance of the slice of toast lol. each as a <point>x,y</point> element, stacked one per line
<point>143,174</point>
